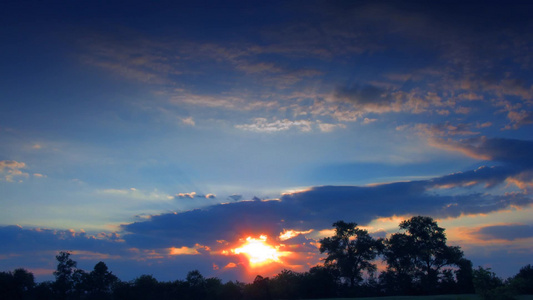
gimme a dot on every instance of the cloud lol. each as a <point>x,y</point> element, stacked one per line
<point>262,125</point>
<point>136,194</point>
<point>369,98</point>
<point>519,119</point>
<point>368,121</point>
<point>194,195</point>
<point>507,232</point>
<point>11,169</point>
<point>512,152</point>
<point>328,127</point>
<point>188,121</point>
<point>186,195</point>
<point>16,239</point>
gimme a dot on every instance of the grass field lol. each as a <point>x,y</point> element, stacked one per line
<point>436,297</point>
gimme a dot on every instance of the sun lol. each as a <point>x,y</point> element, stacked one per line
<point>258,251</point>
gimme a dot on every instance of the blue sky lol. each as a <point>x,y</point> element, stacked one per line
<point>131,130</point>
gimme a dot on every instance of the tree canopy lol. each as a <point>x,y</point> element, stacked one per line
<point>351,250</point>
<point>415,257</point>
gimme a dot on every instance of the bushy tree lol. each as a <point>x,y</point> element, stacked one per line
<point>232,290</point>
<point>417,256</point>
<point>99,282</point>
<point>16,284</point>
<point>259,289</point>
<point>351,250</point>
<point>320,282</point>
<point>286,285</point>
<point>489,286</point>
<point>522,282</point>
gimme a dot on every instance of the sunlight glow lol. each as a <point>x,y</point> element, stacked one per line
<point>258,251</point>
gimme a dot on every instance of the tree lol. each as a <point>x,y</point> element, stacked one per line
<point>286,285</point>
<point>320,282</point>
<point>232,290</point>
<point>351,251</point>
<point>259,289</point>
<point>145,287</point>
<point>197,284</point>
<point>523,281</point>
<point>464,277</point>
<point>417,256</point>
<point>16,284</point>
<point>489,286</point>
<point>100,281</point>
<point>66,267</point>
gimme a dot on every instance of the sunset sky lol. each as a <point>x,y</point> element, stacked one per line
<point>158,137</point>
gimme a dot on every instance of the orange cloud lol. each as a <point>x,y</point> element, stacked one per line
<point>183,251</point>
<point>289,234</point>
<point>230,265</point>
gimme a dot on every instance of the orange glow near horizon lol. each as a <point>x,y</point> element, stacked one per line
<point>259,252</point>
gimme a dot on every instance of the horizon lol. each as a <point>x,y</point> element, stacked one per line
<point>162,136</point>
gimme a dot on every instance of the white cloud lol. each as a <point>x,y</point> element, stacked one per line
<point>368,121</point>
<point>263,125</point>
<point>188,121</point>
<point>136,194</point>
<point>327,127</point>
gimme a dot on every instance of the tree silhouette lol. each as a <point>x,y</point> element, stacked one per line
<point>64,274</point>
<point>416,256</point>
<point>197,284</point>
<point>320,282</point>
<point>259,289</point>
<point>286,285</point>
<point>100,281</point>
<point>14,285</point>
<point>351,250</point>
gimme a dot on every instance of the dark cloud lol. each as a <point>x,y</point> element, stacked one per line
<point>16,239</point>
<point>505,232</point>
<point>512,152</point>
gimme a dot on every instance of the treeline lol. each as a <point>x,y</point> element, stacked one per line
<point>417,259</point>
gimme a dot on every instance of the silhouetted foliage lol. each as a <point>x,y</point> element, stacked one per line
<point>259,289</point>
<point>351,251</point>
<point>415,258</point>
<point>232,290</point>
<point>522,283</point>
<point>489,286</point>
<point>286,285</point>
<point>16,284</point>
<point>43,291</point>
<point>99,282</point>
<point>464,277</point>
<point>320,282</point>
<point>65,275</point>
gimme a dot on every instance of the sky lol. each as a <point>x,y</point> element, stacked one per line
<point>159,137</point>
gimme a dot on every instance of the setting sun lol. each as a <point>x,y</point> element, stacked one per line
<point>258,251</point>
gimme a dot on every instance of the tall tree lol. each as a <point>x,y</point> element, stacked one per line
<point>64,273</point>
<point>419,253</point>
<point>100,281</point>
<point>351,250</point>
